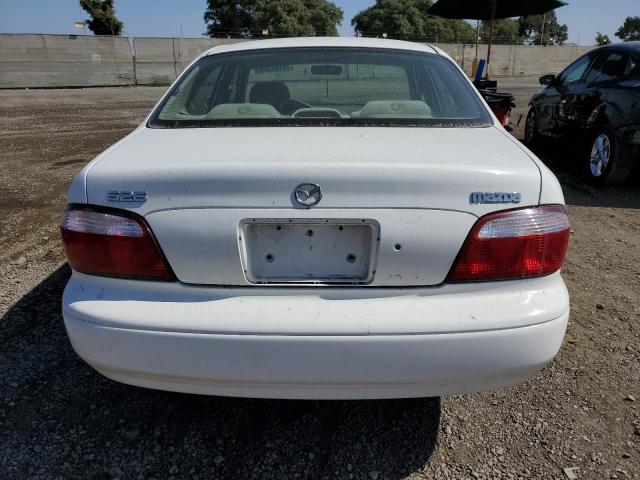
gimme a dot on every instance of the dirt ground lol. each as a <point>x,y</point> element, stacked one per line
<point>579,418</point>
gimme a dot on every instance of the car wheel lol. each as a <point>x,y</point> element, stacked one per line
<point>531,135</point>
<point>609,159</point>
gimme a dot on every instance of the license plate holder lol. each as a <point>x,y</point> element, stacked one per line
<point>316,251</point>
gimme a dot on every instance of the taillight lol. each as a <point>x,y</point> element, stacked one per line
<point>503,115</point>
<point>112,242</point>
<point>529,242</point>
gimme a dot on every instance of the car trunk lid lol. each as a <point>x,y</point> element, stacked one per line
<point>216,196</point>
<point>355,167</point>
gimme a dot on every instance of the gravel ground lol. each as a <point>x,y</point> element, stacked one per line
<point>579,418</point>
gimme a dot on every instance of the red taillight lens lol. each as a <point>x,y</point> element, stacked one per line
<point>530,242</point>
<point>111,242</point>
<point>502,114</point>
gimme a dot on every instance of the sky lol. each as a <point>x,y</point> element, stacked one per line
<point>166,18</point>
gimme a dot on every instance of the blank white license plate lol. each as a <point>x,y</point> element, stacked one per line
<point>309,251</point>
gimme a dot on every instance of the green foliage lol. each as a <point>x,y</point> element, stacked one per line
<point>280,18</point>
<point>505,30</point>
<point>602,39</point>
<point>531,28</point>
<point>103,17</point>
<point>630,30</point>
<point>407,19</point>
<point>229,18</point>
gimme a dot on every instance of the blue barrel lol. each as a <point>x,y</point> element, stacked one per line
<point>480,70</point>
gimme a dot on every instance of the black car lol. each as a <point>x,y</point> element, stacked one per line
<point>595,101</point>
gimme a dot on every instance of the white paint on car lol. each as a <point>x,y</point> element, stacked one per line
<point>251,309</point>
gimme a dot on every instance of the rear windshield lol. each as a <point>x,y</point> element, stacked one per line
<point>323,87</point>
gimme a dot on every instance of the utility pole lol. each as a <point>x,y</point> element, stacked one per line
<point>181,53</point>
<point>493,19</point>
<point>477,36</point>
<point>544,19</point>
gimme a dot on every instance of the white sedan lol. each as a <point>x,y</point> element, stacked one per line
<point>326,218</point>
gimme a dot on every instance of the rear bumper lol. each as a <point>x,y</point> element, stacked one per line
<point>352,363</point>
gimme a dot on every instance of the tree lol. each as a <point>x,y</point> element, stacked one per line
<point>229,18</point>
<point>543,29</point>
<point>299,17</point>
<point>505,31</point>
<point>407,19</point>
<point>246,18</point>
<point>103,17</point>
<point>602,39</point>
<point>630,30</point>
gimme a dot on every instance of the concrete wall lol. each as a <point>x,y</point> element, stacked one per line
<point>154,61</point>
<point>159,61</point>
<point>28,60</point>
<point>517,60</point>
<point>64,61</point>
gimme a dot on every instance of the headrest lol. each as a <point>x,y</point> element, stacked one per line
<point>271,93</point>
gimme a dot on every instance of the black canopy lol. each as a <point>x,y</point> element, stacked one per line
<point>484,9</point>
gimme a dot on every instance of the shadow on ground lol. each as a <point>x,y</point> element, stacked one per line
<point>61,419</point>
<point>569,165</point>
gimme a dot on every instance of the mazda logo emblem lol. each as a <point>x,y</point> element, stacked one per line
<point>307,195</point>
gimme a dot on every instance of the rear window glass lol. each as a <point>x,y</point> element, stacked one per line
<point>324,87</point>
